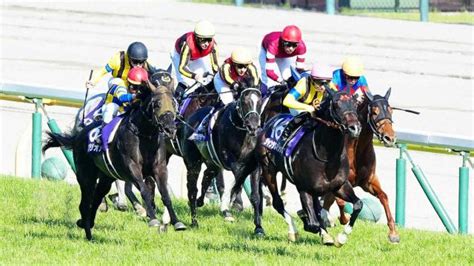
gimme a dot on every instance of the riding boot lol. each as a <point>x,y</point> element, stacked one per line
<point>290,128</point>
<point>200,132</point>
<point>179,92</point>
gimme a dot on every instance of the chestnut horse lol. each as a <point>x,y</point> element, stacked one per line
<point>375,115</point>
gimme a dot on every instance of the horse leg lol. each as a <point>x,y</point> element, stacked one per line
<point>102,188</point>
<point>87,177</point>
<point>269,176</point>
<point>375,189</point>
<point>147,198</point>
<point>325,237</point>
<point>346,192</point>
<point>328,200</point>
<point>226,199</point>
<point>140,211</point>
<point>192,177</point>
<point>308,216</point>
<point>256,200</point>
<point>206,181</point>
<point>161,178</point>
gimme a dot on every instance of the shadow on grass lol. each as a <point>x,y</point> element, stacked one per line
<point>52,222</point>
<point>74,236</point>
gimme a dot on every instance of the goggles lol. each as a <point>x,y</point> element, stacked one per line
<point>290,44</point>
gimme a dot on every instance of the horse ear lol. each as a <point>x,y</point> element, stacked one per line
<point>369,95</point>
<point>387,94</point>
<point>152,87</point>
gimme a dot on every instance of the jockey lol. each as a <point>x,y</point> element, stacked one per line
<point>194,56</point>
<point>305,98</point>
<point>351,74</point>
<point>121,63</point>
<point>237,69</point>
<point>279,51</point>
<point>118,98</point>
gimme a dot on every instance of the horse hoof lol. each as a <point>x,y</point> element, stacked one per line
<point>259,232</point>
<point>341,239</point>
<point>162,228</point>
<point>238,207</point>
<point>292,237</point>
<point>327,240</point>
<point>228,216</point>
<point>103,207</point>
<point>200,203</point>
<point>139,210</point>
<point>179,226</point>
<point>194,224</point>
<point>88,235</point>
<point>394,239</point>
<point>154,223</point>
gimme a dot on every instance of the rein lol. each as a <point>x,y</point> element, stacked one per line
<point>377,123</point>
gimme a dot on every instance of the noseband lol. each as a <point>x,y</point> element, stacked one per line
<point>381,119</point>
<point>239,107</point>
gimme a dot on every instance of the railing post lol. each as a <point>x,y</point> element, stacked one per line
<point>424,10</point>
<point>55,129</point>
<point>463,195</point>
<point>36,141</point>
<point>330,7</point>
<point>435,202</point>
<point>400,188</point>
<point>248,187</point>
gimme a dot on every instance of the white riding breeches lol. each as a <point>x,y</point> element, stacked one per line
<point>109,111</point>
<point>282,68</point>
<point>200,65</point>
<point>223,89</point>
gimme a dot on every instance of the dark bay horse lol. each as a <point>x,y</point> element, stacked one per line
<point>318,164</point>
<point>231,145</point>
<point>375,115</point>
<point>137,151</point>
<point>202,95</point>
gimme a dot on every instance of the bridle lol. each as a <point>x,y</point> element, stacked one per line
<point>383,117</point>
<point>239,107</point>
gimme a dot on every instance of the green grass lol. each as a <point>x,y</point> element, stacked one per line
<point>37,226</point>
<point>438,17</point>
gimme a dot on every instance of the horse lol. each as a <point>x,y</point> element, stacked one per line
<point>230,146</point>
<point>318,164</point>
<point>375,115</point>
<point>137,151</point>
<point>202,95</point>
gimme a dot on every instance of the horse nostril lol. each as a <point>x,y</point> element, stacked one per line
<point>355,130</point>
<point>388,140</point>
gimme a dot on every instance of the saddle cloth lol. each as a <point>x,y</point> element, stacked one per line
<point>273,136</point>
<point>99,138</point>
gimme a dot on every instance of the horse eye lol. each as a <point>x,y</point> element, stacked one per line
<point>375,110</point>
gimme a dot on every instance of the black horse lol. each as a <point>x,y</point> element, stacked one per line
<point>137,151</point>
<point>231,145</point>
<point>318,164</point>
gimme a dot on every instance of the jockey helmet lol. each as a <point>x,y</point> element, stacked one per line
<point>204,29</point>
<point>291,33</point>
<point>137,52</point>
<point>241,56</point>
<point>137,76</point>
<point>353,66</point>
<point>321,72</point>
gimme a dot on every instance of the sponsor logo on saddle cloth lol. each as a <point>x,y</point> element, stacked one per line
<point>99,140</point>
<point>273,136</point>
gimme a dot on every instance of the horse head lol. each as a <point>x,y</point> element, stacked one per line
<point>379,117</point>
<point>343,111</point>
<point>160,109</point>
<point>248,107</point>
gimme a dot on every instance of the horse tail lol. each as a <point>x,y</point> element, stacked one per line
<point>59,140</point>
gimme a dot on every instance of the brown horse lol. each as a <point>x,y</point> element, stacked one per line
<point>375,115</point>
